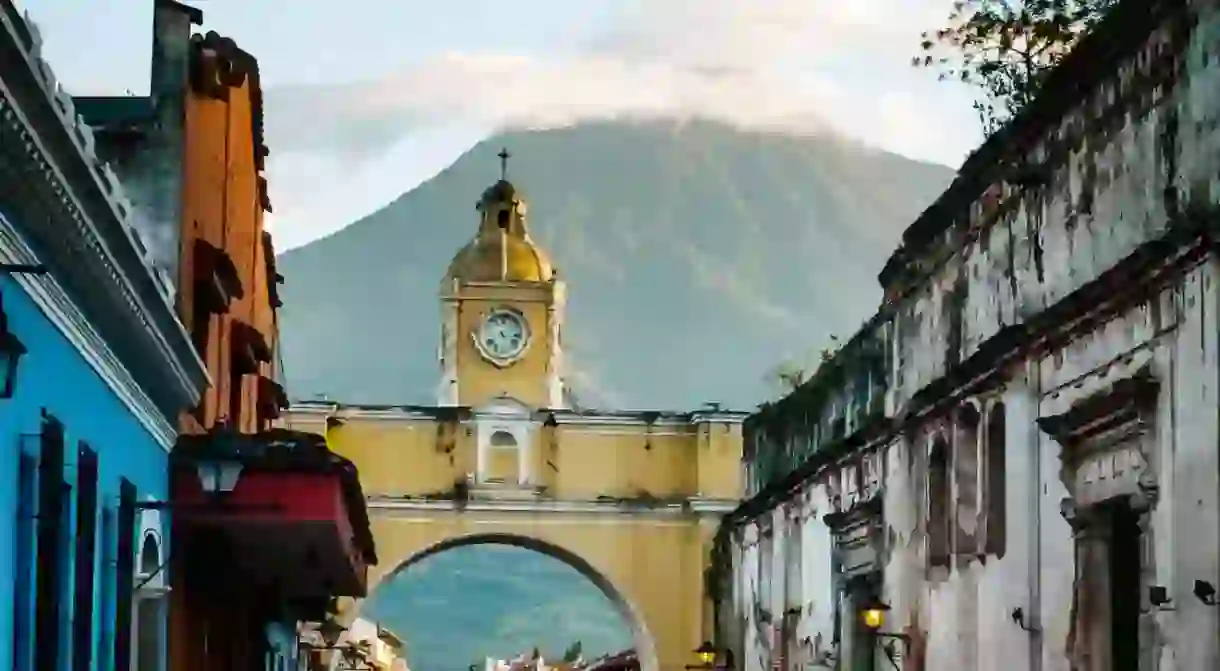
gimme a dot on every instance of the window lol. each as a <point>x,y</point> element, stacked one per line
<point>954,307</point>
<point>48,574</point>
<point>995,485</point>
<point>966,474</point>
<point>938,503</point>
<point>86,549</point>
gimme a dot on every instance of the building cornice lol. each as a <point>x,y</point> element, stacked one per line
<point>694,507</point>
<point>93,249</point>
<point>50,297</point>
<point>1147,270</point>
<point>567,418</point>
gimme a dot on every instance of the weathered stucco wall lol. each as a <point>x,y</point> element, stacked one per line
<point>1053,354</point>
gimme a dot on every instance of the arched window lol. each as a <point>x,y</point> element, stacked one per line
<point>995,483</point>
<point>503,463</point>
<point>966,474</point>
<point>938,503</point>
<point>150,556</point>
<point>503,439</point>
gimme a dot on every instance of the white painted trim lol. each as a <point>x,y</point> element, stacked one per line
<point>119,275</point>
<point>697,507</point>
<point>447,390</point>
<point>527,331</point>
<point>566,418</point>
<point>58,307</point>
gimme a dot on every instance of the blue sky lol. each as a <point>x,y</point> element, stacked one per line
<point>364,103</point>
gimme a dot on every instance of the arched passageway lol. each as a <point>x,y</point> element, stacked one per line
<point>627,612</point>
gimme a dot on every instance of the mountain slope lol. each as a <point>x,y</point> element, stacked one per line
<point>698,256</point>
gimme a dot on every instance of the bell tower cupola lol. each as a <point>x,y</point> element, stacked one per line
<point>501,310</point>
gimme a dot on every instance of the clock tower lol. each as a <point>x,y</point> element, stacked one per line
<point>501,312</point>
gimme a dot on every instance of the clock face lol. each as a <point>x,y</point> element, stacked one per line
<point>503,336</point>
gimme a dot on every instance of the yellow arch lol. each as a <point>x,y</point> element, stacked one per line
<point>645,645</point>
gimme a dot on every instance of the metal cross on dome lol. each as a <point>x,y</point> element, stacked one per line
<point>504,156</point>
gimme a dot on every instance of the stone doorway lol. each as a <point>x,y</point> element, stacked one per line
<point>1108,468</point>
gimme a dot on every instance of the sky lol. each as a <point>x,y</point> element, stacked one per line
<point>363,104</point>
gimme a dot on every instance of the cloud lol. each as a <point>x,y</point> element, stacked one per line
<point>794,64</point>
<point>810,66</point>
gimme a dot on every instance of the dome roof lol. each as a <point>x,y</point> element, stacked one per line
<point>502,249</point>
<point>480,261</point>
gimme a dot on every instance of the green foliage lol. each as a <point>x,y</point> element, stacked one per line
<point>572,653</point>
<point>1005,48</point>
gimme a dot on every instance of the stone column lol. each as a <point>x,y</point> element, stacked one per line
<point>1089,645</point>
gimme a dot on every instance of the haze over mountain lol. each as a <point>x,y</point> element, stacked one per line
<point>698,256</point>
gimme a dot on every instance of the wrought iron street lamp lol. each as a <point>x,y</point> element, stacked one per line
<point>219,471</point>
<point>11,351</point>
<point>872,614</point>
<point>706,653</point>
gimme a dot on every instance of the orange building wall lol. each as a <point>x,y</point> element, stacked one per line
<point>222,204</point>
<point>214,624</point>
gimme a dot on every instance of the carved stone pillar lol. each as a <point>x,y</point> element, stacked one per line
<point>1089,646</point>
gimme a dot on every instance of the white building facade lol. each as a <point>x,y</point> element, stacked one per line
<point>1018,455</point>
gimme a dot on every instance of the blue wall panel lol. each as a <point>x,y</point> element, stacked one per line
<point>55,377</point>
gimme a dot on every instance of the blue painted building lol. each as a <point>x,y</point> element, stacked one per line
<point>90,417</point>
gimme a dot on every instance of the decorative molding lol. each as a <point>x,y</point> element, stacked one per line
<point>527,335</point>
<point>59,309</point>
<point>566,418</point>
<point>555,313</point>
<point>1114,414</point>
<point>1103,437</point>
<point>696,507</point>
<point>447,392</point>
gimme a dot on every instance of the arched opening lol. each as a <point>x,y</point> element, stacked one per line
<point>496,596</point>
<point>503,459</point>
<point>939,504</point>
<point>150,555</point>
<point>995,483</point>
<point>148,645</point>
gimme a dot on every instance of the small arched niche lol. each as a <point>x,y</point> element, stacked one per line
<point>503,458</point>
<point>505,432</point>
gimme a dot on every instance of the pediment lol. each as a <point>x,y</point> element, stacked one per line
<point>504,407</point>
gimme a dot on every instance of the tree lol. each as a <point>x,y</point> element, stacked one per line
<point>1006,48</point>
<point>572,653</point>
<point>789,375</point>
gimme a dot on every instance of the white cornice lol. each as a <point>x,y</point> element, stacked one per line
<point>566,418</point>
<point>571,418</point>
<point>55,303</point>
<point>696,508</point>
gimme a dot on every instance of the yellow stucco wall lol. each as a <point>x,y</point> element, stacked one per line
<point>525,380</point>
<point>637,501</point>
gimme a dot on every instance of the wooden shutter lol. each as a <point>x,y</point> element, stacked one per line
<point>86,558</point>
